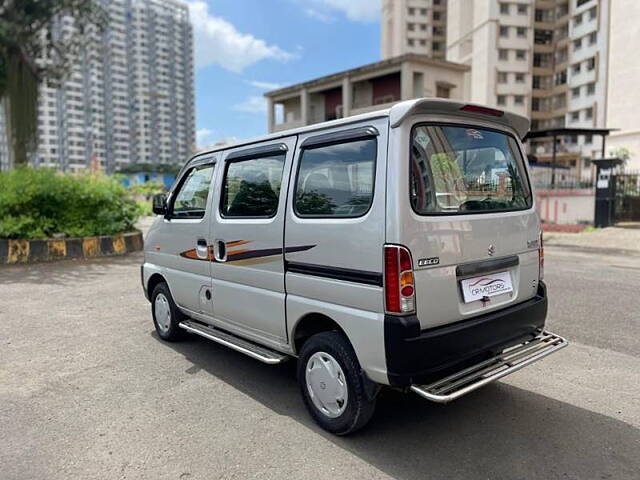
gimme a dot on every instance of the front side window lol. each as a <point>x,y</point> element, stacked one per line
<point>252,187</point>
<point>459,170</point>
<point>336,180</point>
<point>191,199</point>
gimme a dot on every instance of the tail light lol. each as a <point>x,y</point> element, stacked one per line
<point>399,284</point>
<point>541,259</point>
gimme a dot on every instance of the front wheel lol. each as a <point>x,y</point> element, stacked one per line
<point>332,385</point>
<point>166,315</point>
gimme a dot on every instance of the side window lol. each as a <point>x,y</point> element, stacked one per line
<point>252,187</point>
<point>336,180</point>
<point>191,199</point>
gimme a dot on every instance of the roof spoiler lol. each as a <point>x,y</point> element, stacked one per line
<point>452,108</point>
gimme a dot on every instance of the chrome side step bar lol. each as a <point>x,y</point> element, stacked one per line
<point>509,361</point>
<point>236,343</point>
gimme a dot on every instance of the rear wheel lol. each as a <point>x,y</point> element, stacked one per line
<point>332,385</point>
<point>166,315</point>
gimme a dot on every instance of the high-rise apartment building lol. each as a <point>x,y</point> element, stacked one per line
<point>546,59</point>
<point>623,95</point>
<point>129,96</point>
<point>414,26</point>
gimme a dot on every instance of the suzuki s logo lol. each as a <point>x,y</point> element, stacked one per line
<point>491,250</point>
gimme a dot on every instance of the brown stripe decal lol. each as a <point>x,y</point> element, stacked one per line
<point>245,253</point>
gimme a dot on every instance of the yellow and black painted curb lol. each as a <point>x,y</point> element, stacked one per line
<point>31,251</point>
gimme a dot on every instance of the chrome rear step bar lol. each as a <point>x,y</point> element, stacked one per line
<point>236,343</point>
<point>509,361</point>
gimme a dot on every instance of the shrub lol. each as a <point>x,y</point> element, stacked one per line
<point>38,204</point>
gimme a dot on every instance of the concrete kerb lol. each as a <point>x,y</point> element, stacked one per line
<point>32,251</point>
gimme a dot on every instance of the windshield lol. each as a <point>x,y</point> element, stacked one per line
<point>463,170</point>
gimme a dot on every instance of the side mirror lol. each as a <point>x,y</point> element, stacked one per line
<point>160,204</point>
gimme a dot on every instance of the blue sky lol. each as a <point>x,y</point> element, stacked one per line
<point>246,47</point>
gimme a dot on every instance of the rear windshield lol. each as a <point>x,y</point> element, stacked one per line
<point>464,170</point>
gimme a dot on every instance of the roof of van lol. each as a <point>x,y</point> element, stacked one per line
<point>398,113</point>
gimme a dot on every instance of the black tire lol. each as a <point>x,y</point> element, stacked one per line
<point>168,331</point>
<point>359,408</point>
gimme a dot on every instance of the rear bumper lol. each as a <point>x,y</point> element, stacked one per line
<point>418,357</point>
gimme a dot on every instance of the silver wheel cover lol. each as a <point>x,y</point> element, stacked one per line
<point>326,384</point>
<point>162,312</point>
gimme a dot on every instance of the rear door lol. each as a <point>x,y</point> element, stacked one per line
<point>465,211</point>
<point>247,239</point>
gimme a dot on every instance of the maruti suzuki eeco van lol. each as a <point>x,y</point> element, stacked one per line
<point>398,248</point>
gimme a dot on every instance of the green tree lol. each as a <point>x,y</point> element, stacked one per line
<point>26,38</point>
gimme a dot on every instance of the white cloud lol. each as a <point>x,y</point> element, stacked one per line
<point>253,104</point>
<point>218,42</point>
<point>264,85</point>
<point>357,10</point>
<point>203,135</point>
<point>323,17</point>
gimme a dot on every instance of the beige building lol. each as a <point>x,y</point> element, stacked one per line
<point>623,94</point>
<point>367,88</point>
<point>546,59</point>
<point>413,26</point>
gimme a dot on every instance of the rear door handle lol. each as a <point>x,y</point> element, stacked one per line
<point>202,250</point>
<point>220,250</point>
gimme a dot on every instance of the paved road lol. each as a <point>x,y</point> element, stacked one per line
<point>88,391</point>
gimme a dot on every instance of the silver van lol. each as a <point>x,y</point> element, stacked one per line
<point>396,248</point>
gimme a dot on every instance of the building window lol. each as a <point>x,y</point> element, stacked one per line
<point>588,113</point>
<point>523,9</point>
<point>519,77</point>
<point>591,88</point>
<point>502,100</point>
<point>410,42</point>
<point>412,11</point>
<point>504,31</point>
<point>577,44</point>
<point>504,9</point>
<point>576,68</point>
<point>588,138</point>
<point>443,91</point>
<point>575,92</point>
<point>437,16</point>
<point>423,27</point>
<point>521,32</point>
<point>577,20</point>
<point>521,54</point>
<point>503,54</point>
<point>575,116</point>
<point>593,13</point>
<point>423,11</point>
<point>423,42</point>
<point>518,99</point>
<point>411,26</point>
<point>437,46</point>
<point>593,38</point>
<point>591,63</point>
<point>502,77</point>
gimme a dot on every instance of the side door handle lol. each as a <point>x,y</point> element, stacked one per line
<point>202,250</point>
<point>220,250</point>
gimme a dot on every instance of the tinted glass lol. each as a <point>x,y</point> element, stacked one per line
<point>191,199</point>
<point>252,187</point>
<point>462,170</point>
<point>336,180</point>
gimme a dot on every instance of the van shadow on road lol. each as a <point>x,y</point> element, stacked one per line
<point>499,432</point>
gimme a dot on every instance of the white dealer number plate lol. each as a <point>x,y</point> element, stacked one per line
<point>486,286</point>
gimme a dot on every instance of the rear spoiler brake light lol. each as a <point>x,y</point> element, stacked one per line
<point>482,110</point>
